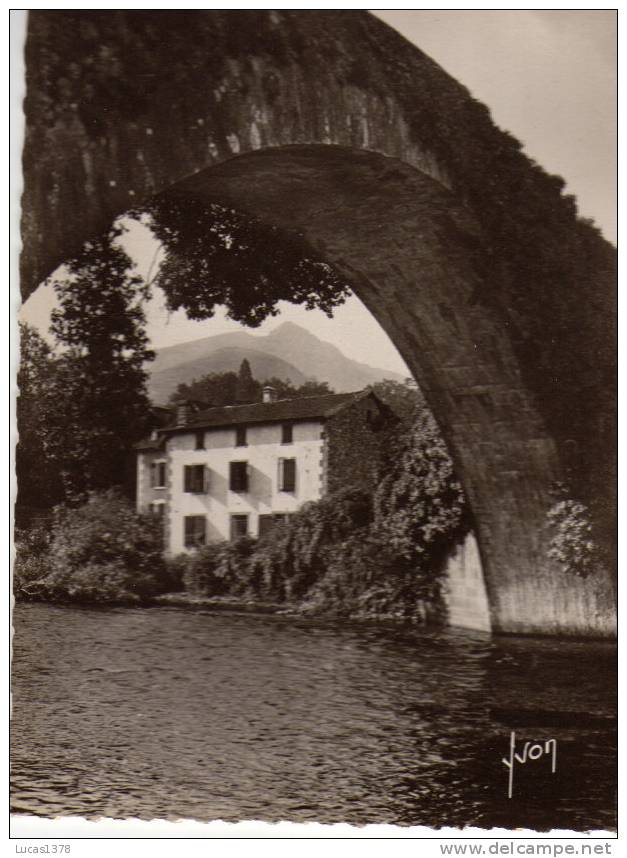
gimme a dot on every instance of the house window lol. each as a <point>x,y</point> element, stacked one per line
<point>287,433</point>
<point>240,436</point>
<point>157,475</point>
<point>195,530</point>
<point>239,526</point>
<point>195,479</point>
<point>287,475</point>
<point>157,508</point>
<point>238,476</point>
<point>200,440</point>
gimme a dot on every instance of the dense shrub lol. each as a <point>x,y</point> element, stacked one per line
<point>571,543</point>
<point>420,508</point>
<point>329,558</point>
<point>295,556</point>
<point>364,579</point>
<point>217,569</point>
<point>31,560</point>
<point>102,551</point>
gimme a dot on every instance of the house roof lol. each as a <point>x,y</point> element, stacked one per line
<point>149,444</point>
<point>304,408</point>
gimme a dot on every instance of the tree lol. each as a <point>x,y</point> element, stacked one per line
<point>220,388</point>
<point>286,390</point>
<point>247,388</point>
<point>420,508</point>
<point>214,389</point>
<point>98,405</point>
<point>218,256</point>
<point>38,475</point>
<point>404,398</point>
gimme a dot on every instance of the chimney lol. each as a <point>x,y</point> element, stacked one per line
<point>183,412</point>
<point>269,394</point>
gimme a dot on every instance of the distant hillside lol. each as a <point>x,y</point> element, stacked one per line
<point>288,352</point>
<point>164,382</point>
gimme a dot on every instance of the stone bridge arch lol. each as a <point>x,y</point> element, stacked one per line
<point>330,123</point>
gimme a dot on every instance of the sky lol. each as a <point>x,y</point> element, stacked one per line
<point>548,77</point>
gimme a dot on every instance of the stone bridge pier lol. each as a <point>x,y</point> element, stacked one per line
<point>328,123</point>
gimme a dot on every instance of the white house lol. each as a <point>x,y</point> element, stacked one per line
<point>222,473</point>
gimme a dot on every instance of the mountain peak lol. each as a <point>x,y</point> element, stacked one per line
<point>289,352</point>
<point>291,329</point>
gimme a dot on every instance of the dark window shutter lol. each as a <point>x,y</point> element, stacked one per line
<point>195,530</point>
<point>238,476</point>
<point>286,433</point>
<point>195,479</point>
<point>157,475</point>
<point>199,479</point>
<point>189,531</point>
<point>288,482</point>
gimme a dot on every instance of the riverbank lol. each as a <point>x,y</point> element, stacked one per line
<point>220,603</point>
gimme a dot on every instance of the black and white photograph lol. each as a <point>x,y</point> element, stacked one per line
<point>314,472</point>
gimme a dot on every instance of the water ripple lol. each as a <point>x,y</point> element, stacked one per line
<point>171,713</point>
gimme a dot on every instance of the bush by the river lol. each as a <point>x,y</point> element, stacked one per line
<point>103,551</point>
<point>572,543</point>
<point>332,557</point>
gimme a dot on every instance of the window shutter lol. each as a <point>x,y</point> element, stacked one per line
<point>195,530</point>
<point>238,476</point>
<point>289,475</point>
<point>187,473</point>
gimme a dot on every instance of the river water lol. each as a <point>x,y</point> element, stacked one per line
<point>173,713</point>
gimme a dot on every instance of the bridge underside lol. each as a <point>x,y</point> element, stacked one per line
<point>410,252</point>
<point>336,161</point>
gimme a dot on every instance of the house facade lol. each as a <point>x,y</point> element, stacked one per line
<point>222,473</point>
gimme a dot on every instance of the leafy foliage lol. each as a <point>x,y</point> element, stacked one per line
<point>102,551</point>
<point>218,256</point>
<point>245,390</point>
<point>572,543</point>
<point>217,569</point>
<point>31,560</point>
<point>329,558</point>
<point>419,504</point>
<point>84,404</point>
<point>215,388</point>
<point>38,474</point>
<point>221,388</point>
<point>403,398</point>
